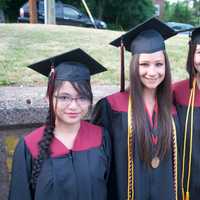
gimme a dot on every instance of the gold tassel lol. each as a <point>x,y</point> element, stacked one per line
<point>187,196</point>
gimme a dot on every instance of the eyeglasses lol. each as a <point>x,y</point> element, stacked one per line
<point>67,100</point>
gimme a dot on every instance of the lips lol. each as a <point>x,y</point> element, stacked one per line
<point>72,115</point>
<point>151,80</point>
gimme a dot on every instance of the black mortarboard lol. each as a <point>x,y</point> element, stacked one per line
<point>147,37</point>
<point>195,36</point>
<point>74,65</point>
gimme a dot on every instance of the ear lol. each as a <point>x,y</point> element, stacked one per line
<point>87,115</point>
<point>46,99</point>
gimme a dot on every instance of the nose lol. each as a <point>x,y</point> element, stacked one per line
<point>73,104</point>
<point>152,70</point>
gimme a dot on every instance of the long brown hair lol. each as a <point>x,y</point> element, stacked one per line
<point>164,99</point>
<point>190,62</point>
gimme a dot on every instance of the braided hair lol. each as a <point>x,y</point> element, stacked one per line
<point>44,143</point>
<point>44,152</point>
<point>82,88</point>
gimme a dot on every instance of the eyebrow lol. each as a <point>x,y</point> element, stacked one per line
<point>64,93</point>
<point>67,94</point>
<point>141,61</point>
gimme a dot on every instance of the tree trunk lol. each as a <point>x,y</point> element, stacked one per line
<point>33,11</point>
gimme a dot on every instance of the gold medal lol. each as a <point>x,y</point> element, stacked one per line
<point>155,162</point>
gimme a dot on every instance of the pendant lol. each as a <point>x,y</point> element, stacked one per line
<point>155,162</point>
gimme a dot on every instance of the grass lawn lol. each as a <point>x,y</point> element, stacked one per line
<point>24,44</point>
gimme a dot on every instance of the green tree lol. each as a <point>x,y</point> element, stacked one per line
<point>182,13</point>
<point>179,12</point>
<point>11,8</point>
<point>196,7</point>
<point>122,13</point>
<point>3,4</point>
<point>169,10</point>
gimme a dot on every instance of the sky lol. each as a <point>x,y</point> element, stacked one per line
<point>174,1</point>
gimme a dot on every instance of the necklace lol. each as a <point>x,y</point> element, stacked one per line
<point>155,162</point>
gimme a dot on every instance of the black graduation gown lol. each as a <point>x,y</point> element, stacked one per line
<point>150,184</point>
<point>77,174</point>
<point>181,95</point>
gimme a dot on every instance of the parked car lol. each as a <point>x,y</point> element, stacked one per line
<point>65,15</point>
<point>180,26</point>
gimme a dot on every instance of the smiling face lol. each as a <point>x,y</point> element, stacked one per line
<point>151,69</point>
<point>69,105</point>
<point>197,58</point>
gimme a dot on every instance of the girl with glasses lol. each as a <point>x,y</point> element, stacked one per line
<point>67,158</point>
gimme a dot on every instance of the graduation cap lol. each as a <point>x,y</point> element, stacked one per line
<point>195,36</point>
<point>74,65</point>
<point>147,37</point>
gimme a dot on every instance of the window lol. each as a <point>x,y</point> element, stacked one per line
<point>70,13</point>
<point>59,9</point>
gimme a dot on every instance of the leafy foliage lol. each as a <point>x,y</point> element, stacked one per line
<point>122,13</point>
<point>179,12</point>
<point>11,8</point>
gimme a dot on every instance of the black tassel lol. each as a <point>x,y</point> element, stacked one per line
<point>50,91</point>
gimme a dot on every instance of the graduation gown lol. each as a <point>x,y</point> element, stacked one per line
<point>77,174</point>
<point>149,183</point>
<point>181,95</point>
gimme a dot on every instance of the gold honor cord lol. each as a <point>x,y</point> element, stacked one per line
<point>175,159</point>
<point>131,160</point>
<point>130,153</point>
<point>186,195</point>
